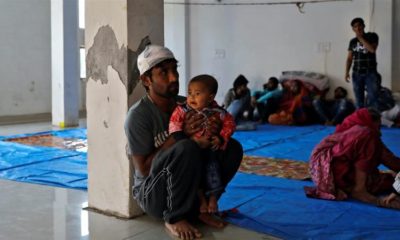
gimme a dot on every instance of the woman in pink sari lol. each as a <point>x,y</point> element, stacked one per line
<point>345,164</point>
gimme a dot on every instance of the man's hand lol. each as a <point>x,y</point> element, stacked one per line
<point>214,124</point>
<point>387,199</point>
<point>193,122</point>
<point>347,77</point>
<point>215,143</point>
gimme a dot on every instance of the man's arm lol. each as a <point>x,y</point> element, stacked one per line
<point>349,61</point>
<point>228,99</point>
<point>370,46</point>
<point>143,163</point>
<point>270,94</point>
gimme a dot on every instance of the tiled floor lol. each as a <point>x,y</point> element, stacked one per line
<point>30,211</point>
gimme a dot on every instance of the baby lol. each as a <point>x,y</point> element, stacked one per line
<point>201,93</point>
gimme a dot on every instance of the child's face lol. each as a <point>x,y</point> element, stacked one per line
<point>199,96</point>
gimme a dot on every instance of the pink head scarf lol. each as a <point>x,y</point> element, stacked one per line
<point>360,117</point>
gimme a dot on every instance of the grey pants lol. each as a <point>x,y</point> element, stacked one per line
<point>170,190</point>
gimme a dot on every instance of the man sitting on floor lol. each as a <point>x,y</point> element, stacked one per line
<point>332,112</point>
<point>267,101</point>
<point>168,168</point>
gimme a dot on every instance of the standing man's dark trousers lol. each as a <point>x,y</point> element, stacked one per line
<point>366,81</point>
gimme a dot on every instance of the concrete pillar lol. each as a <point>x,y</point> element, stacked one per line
<point>65,63</point>
<point>116,32</point>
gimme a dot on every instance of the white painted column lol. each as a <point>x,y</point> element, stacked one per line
<point>65,62</point>
<point>114,35</point>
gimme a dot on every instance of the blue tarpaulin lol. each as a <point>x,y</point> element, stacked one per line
<point>270,205</point>
<point>45,165</point>
<point>279,207</point>
<point>297,142</point>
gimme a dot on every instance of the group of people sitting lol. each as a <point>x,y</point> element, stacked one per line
<point>344,164</point>
<point>299,103</point>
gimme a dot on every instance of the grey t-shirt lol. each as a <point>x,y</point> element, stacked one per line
<point>146,128</point>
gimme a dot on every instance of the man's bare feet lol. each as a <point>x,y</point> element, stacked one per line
<point>212,204</point>
<point>211,220</point>
<point>183,230</point>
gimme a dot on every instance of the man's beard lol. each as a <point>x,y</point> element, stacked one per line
<point>173,89</point>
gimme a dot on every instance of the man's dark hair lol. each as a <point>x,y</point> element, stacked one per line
<point>148,72</point>
<point>239,81</point>
<point>357,20</point>
<point>274,80</point>
<point>343,90</point>
<point>209,81</point>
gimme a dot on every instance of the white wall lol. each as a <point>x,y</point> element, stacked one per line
<point>25,57</point>
<point>258,41</point>
<point>263,41</point>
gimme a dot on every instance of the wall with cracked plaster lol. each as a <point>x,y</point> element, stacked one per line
<point>113,42</point>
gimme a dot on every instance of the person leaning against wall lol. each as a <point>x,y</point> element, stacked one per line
<point>168,168</point>
<point>362,55</point>
<point>237,99</point>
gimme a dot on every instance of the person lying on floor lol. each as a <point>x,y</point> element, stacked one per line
<point>295,106</point>
<point>391,117</point>
<point>390,111</point>
<point>345,164</point>
<point>333,111</point>
<point>266,101</point>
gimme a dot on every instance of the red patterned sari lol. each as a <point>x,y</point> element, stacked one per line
<point>355,144</point>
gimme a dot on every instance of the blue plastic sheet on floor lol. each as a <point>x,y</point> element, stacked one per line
<point>45,165</point>
<point>279,207</point>
<point>79,133</point>
<point>297,142</point>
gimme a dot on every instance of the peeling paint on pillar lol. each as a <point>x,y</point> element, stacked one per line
<point>105,52</point>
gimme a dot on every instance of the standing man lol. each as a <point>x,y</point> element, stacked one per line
<point>169,168</point>
<point>361,53</point>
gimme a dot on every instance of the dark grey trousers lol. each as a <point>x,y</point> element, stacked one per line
<point>170,190</point>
